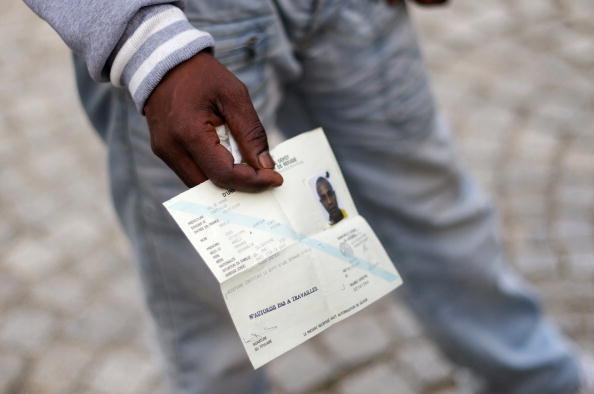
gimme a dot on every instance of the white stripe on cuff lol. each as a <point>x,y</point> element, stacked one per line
<point>160,53</point>
<point>146,29</point>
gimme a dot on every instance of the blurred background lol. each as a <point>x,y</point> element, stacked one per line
<point>516,80</point>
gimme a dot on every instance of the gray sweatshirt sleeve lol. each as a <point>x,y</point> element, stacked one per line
<point>131,43</point>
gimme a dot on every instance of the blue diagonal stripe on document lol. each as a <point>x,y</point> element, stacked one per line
<point>280,230</point>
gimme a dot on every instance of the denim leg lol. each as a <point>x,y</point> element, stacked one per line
<point>364,82</point>
<point>201,347</point>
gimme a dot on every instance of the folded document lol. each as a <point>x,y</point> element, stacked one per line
<point>293,260</point>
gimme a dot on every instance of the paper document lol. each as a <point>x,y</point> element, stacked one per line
<point>292,260</point>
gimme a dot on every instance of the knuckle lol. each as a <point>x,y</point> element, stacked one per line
<point>187,135</point>
<point>236,89</point>
<point>191,138</point>
<point>178,131</point>
<point>222,179</point>
<point>157,147</point>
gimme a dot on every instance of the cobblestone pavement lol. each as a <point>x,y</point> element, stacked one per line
<point>515,78</point>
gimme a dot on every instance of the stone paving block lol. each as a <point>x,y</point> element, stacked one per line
<point>559,113</point>
<point>576,196</point>
<point>575,47</point>
<point>536,10</point>
<point>437,54</point>
<point>538,147</point>
<point>579,161</point>
<point>568,295</point>
<point>31,259</point>
<point>356,339</point>
<point>16,183</point>
<point>572,324</point>
<point>432,31</point>
<point>577,246</point>
<point>530,228</point>
<point>54,162</point>
<point>102,323</point>
<point>400,322</point>
<point>8,232</point>
<point>39,208</point>
<point>85,198</point>
<point>11,289</point>
<point>102,264</point>
<point>534,179</point>
<point>489,20</point>
<point>26,125</point>
<point>528,206</point>
<point>446,391</point>
<point>589,328</point>
<point>518,86</point>
<point>579,7</point>
<point>9,146</point>
<point>582,178</point>
<point>58,369</point>
<point>568,229</point>
<point>26,328</point>
<point>424,361</point>
<point>12,368</point>
<point>76,231</point>
<point>377,379</point>
<point>157,386</point>
<point>582,265</point>
<point>123,371</point>
<point>62,292</point>
<point>510,94</point>
<point>537,262</point>
<point>489,124</point>
<point>89,390</point>
<point>302,369</point>
<point>125,289</point>
<point>480,153</point>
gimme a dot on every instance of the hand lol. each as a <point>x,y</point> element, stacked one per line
<point>182,112</point>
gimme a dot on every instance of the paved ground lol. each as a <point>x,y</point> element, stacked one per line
<point>514,77</point>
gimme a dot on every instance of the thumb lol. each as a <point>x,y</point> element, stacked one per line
<point>245,126</point>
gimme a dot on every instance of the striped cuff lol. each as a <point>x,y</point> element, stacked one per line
<point>157,39</point>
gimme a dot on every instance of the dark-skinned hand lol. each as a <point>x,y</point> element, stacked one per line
<point>182,112</point>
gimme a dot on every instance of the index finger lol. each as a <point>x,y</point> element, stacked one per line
<point>217,164</point>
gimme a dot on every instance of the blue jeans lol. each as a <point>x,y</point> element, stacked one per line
<point>353,68</point>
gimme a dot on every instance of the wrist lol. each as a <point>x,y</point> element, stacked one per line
<point>157,40</point>
<point>189,66</point>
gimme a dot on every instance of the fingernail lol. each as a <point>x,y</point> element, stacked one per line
<point>265,160</point>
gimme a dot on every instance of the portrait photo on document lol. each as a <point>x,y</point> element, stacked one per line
<point>328,200</point>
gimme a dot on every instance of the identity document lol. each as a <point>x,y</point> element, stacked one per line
<point>293,260</point>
